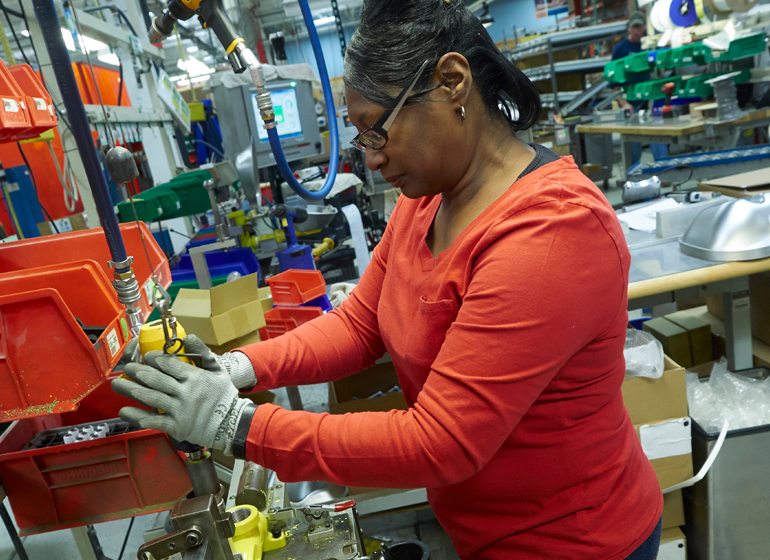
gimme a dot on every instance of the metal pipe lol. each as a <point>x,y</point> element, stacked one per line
<point>48,19</point>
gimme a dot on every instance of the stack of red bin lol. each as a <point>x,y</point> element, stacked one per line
<point>299,296</point>
<point>62,332</point>
<point>26,108</point>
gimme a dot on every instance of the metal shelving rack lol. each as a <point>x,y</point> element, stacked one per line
<point>562,40</point>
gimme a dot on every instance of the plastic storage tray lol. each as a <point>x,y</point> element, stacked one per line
<point>62,486</point>
<point>91,244</point>
<point>742,47</point>
<point>14,118</point>
<point>616,72</point>
<point>158,203</point>
<point>38,101</point>
<point>651,90</point>
<point>220,263</point>
<point>280,320</point>
<point>295,287</point>
<point>694,53</point>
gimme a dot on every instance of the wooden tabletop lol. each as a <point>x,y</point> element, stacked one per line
<point>679,126</point>
<point>697,277</point>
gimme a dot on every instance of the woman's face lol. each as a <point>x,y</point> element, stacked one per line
<point>429,146</point>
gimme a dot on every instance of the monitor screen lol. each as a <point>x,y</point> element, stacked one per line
<point>286,114</point>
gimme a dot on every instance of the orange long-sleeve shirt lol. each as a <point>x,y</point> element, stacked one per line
<point>509,349</point>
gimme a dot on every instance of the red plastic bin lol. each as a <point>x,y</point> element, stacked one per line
<point>280,320</point>
<point>52,488</point>
<point>14,117</point>
<point>47,362</point>
<point>91,244</point>
<point>295,287</point>
<point>38,101</point>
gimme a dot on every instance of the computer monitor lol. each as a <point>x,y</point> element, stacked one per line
<point>295,112</point>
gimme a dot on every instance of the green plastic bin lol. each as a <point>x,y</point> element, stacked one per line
<point>742,47</point>
<point>651,89</point>
<point>686,55</point>
<point>193,197</point>
<point>157,203</point>
<point>628,69</point>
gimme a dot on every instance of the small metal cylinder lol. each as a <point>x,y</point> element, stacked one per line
<point>203,476</point>
<point>252,487</point>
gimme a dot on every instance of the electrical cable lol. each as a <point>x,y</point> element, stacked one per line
<point>216,150</point>
<point>125,539</point>
<point>34,187</point>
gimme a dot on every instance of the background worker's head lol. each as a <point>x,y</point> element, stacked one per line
<point>468,88</point>
<point>636,26</point>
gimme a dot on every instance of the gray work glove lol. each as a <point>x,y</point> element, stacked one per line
<point>236,364</point>
<point>199,406</point>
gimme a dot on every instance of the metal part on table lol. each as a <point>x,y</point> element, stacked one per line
<point>78,433</point>
<point>200,532</point>
<point>735,231</point>
<point>726,96</point>
<point>646,189</point>
<point>252,486</point>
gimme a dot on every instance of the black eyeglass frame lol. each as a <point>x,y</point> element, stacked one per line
<point>384,123</point>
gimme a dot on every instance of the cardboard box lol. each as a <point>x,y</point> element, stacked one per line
<point>266,298</point>
<point>673,338</point>
<point>759,289</point>
<point>699,333</point>
<point>658,409</point>
<point>673,545</point>
<point>223,313</point>
<point>353,393</point>
<point>673,510</point>
<point>75,222</point>
<point>250,338</point>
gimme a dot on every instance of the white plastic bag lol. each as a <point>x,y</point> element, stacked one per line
<point>644,355</point>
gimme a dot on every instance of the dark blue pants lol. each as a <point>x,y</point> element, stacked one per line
<point>649,548</point>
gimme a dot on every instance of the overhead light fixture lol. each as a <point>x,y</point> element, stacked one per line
<point>486,18</point>
<point>194,67</point>
<point>326,20</point>
<point>109,58</point>
<point>87,44</point>
<point>192,49</point>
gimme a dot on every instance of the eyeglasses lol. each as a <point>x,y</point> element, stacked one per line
<point>376,136</point>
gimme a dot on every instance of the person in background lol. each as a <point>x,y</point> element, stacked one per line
<point>499,289</point>
<point>632,42</point>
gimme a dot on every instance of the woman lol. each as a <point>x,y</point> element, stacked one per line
<point>499,290</point>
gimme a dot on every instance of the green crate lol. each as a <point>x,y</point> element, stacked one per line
<point>686,55</point>
<point>193,197</point>
<point>742,47</point>
<point>651,89</point>
<point>696,86</point>
<point>158,203</point>
<point>631,68</point>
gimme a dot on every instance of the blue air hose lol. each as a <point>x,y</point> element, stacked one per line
<point>272,133</point>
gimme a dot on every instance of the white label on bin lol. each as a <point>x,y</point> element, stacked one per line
<point>113,342</point>
<point>10,105</point>
<point>666,439</point>
<point>672,550</point>
<point>40,103</point>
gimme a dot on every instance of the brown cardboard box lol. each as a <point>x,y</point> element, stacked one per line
<point>250,338</point>
<point>352,393</point>
<point>75,222</point>
<point>673,545</point>
<point>759,288</point>
<point>673,510</point>
<point>658,409</point>
<point>266,299</point>
<point>699,333</point>
<point>223,313</point>
<point>675,341</point>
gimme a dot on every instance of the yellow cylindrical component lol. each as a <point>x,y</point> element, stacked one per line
<point>251,537</point>
<point>231,47</point>
<point>151,339</point>
<point>324,247</point>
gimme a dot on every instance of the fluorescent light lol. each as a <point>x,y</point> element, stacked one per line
<point>24,33</point>
<point>192,49</point>
<point>109,58</point>
<point>194,67</point>
<point>87,43</point>
<point>323,20</point>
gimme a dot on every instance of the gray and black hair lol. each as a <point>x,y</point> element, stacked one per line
<point>395,37</point>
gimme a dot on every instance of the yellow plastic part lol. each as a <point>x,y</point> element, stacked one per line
<point>151,338</point>
<point>251,537</point>
<point>46,136</point>
<point>231,47</point>
<point>324,247</point>
<point>197,111</point>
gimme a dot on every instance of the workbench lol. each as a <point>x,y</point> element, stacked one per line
<point>686,130</point>
<point>661,274</point>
